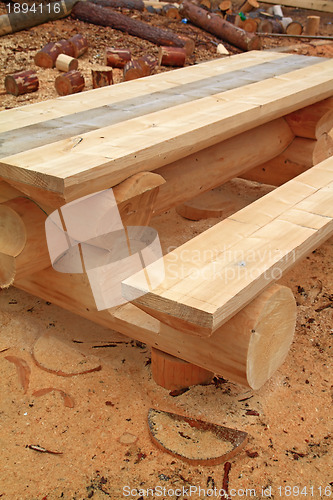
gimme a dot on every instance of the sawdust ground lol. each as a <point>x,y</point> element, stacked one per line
<point>290,438</point>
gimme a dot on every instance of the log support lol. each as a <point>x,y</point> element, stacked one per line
<point>174,373</point>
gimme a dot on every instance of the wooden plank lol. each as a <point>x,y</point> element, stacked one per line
<point>103,158</point>
<point>140,102</point>
<point>24,116</point>
<point>321,5</point>
<point>199,294</point>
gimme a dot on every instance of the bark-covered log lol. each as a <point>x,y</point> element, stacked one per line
<point>148,64</point>
<point>69,83</point>
<point>172,56</point>
<point>172,12</point>
<point>66,47</point>
<point>133,70</point>
<point>17,21</point>
<point>121,4</point>
<point>47,56</point>
<point>22,82</point>
<point>79,43</point>
<point>117,58</point>
<point>66,63</point>
<point>101,76</point>
<point>91,13</point>
<point>312,25</point>
<point>219,27</point>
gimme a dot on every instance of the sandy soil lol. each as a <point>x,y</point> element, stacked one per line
<point>99,428</point>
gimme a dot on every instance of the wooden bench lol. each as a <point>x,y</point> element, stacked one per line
<point>158,142</point>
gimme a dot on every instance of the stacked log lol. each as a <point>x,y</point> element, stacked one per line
<point>219,27</point>
<point>313,143</point>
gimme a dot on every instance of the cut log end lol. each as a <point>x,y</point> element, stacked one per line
<point>133,70</point>
<point>47,56</point>
<point>12,235</point>
<point>66,63</point>
<point>294,28</point>
<point>7,270</point>
<point>22,83</point>
<point>271,334</point>
<point>69,83</point>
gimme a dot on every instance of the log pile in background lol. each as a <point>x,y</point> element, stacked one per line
<point>220,27</point>
<point>101,16</point>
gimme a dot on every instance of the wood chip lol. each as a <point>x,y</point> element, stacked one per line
<point>192,440</point>
<point>62,358</point>
<point>68,401</point>
<point>23,371</point>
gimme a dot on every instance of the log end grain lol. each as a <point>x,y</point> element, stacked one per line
<point>66,63</point>
<point>69,83</point>
<point>46,57</point>
<point>133,70</point>
<point>22,82</point>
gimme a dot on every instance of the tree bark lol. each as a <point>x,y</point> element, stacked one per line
<point>47,56</point>
<point>80,44</point>
<point>133,70</point>
<point>101,77</point>
<point>66,47</point>
<point>117,58</point>
<point>69,83</point>
<point>148,64</point>
<point>121,4</point>
<point>66,63</point>
<point>89,12</point>
<point>22,82</point>
<point>249,5</point>
<point>10,23</point>
<point>172,56</point>
<point>219,27</point>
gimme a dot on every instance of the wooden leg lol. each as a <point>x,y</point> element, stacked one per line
<point>174,373</point>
